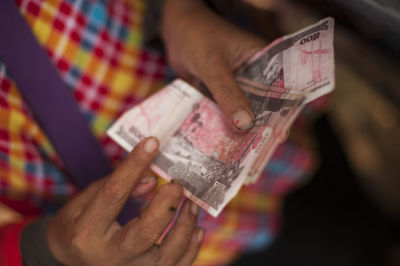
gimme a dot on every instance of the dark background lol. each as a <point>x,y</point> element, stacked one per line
<point>349,213</point>
<point>331,221</point>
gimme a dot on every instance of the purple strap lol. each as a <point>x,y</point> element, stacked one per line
<point>51,101</point>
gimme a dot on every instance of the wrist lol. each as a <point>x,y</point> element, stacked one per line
<point>34,246</point>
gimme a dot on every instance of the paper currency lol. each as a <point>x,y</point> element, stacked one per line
<point>302,62</point>
<point>198,147</point>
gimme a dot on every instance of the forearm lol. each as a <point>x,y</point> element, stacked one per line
<point>178,27</point>
<point>192,20</point>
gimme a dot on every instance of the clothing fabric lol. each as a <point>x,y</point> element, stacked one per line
<point>98,50</point>
<point>38,254</point>
<point>38,79</point>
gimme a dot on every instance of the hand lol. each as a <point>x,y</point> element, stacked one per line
<point>85,232</point>
<point>202,45</point>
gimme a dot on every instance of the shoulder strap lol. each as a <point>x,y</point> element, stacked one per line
<point>50,100</point>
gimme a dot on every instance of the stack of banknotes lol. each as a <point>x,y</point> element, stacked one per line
<point>198,147</point>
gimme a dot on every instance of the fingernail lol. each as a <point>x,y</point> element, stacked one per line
<point>151,145</point>
<point>147,179</point>
<point>200,235</point>
<point>242,120</point>
<point>194,208</point>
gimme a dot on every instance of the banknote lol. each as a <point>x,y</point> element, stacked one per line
<point>301,62</point>
<point>198,147</point>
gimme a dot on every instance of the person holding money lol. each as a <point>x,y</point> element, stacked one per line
<point>204,46</point>
<point>97,51</point>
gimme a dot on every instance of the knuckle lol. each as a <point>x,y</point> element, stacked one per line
<point>230,97</point>
<point>147,235</point>
<point>78,241</point>
<point>139,161</point>
<point>114,190</point>
<point>186,221</point>
<point>172,190</point>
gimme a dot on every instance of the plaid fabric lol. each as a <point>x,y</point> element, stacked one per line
<point>98,51</point>
<point>97,48</point>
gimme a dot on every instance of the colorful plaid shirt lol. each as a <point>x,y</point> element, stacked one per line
<point>97,47</point>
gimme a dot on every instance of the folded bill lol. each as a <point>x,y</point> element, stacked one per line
<point>198,147</point>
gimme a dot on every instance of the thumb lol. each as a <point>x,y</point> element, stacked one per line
<point>228,95</point>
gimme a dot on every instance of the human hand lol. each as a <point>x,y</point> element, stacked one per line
<point>202,45</point>
<point>85,232</point>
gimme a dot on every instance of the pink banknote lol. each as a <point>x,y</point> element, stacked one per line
<point>200,150</point>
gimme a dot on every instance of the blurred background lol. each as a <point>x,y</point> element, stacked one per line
<point>349,213</point>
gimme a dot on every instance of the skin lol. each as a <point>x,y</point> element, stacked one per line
<point>85,230</point>
<point>200,45</point>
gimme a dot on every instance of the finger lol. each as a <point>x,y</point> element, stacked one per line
<point>228,95</point>
<point>146,185</point>
<point>143,232</point>
<point>193,249</point>
<point>77,203</point>
<point>178,239</point>
<point>111,197</point>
